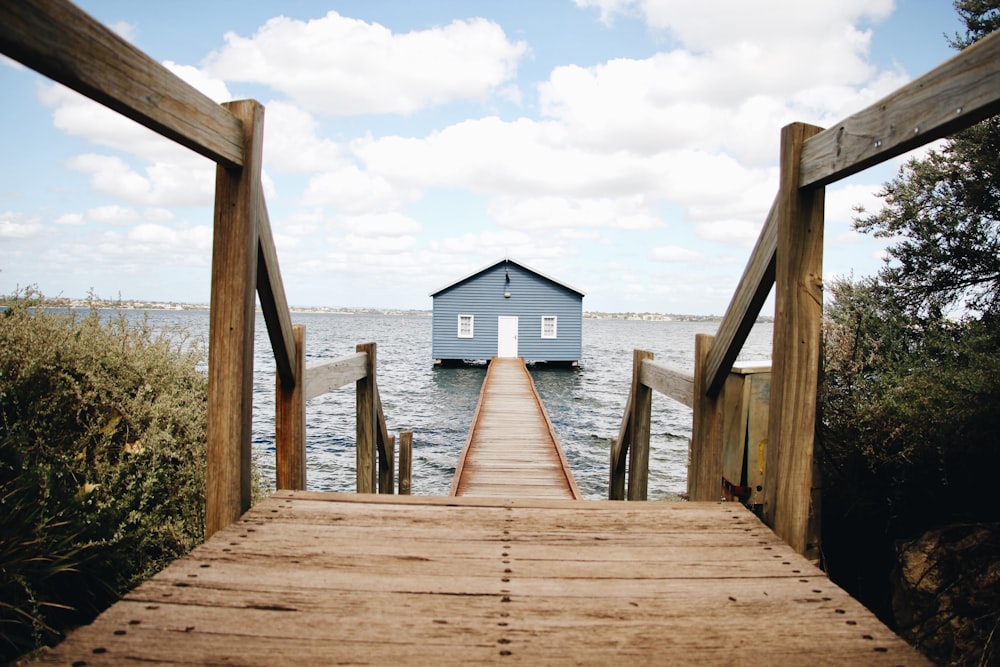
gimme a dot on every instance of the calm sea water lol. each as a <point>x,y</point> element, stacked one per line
<point>585,404</point>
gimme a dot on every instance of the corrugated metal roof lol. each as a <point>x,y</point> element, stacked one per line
<point>512,261</point>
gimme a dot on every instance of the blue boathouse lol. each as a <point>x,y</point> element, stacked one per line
<point>507,309</point>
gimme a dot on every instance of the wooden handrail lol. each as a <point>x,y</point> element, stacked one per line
<point>749,297</point>
<point>61,41</point>
<point>326,376</point>
<point>273,304</point>
<point>957,94</point>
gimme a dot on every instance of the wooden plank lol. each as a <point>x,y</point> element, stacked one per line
<point>955,95</point>
<point>405,462</point>
<point>671,382</point>
<point>797,332</point>
<point>62,42</point>
<point>512,448</point>
<point>326,376</point>
<point>290,422</point>
<point>231,327</point>
<point>734,428</point>
<point>760,397</point>
<point>705,471</point>
<point>642,406</point>
<point>741,314</point>
<point>273,304</point>
<point>526,582</point>
<point>367,422</point>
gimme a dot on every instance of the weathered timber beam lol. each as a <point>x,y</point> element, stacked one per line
<point>671,382</point>
<point>955,95</point>
<point>61,41</point>
<point>327,376</point>
<point>749,297</point>
<point>231,329</point>
<point>274,306</point>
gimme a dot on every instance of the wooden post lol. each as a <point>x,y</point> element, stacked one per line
<point>290,421</point>
<point>705,473</point>
<point>796,348</point>
<point>642,407</point>
<point>616,483</point>
<point>367,422</point>
<point>405,461</point>
<point>386,466</point>
<point>231,327</point>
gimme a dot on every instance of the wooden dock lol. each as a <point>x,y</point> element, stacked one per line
<point>320,579</point>
<point>512,450</point>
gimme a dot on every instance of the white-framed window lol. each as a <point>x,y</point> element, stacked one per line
<point>466,326</point>
<point>549,329</point>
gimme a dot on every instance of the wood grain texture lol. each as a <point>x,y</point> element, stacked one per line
<point>320,579</point>
<point>290,422</point>
<point>405,462</point>
<point>671,382</point>
<point>326,376</point>
<point>705,470</point>
<point>61,41</point>
<point>512,449</point>
<point>955,95</point>
<point>642,409</point>
<point>367,422</point>
<point>273,303</point>
<point>231,326</point>
<point>797,333</point>
<point>741,314</point>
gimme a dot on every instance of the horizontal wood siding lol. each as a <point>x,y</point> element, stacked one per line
<point>532,297</point>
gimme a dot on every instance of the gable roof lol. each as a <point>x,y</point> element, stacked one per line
<point>509,261</point>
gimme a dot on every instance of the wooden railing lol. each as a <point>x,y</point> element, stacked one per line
<point>789,256</point>
<point>62,42</point>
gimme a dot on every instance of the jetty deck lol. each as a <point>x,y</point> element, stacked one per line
<point>512,450</point>
<point>317,579</point>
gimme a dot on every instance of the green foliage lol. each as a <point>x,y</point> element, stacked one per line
<point>102,462</point>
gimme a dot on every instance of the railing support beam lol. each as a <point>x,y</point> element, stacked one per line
<point>290,421</point>
<point>705,473</point>
<point>231,327</point>
<point>367,422</point>
<point>796,349</point>
<point>642,407</point>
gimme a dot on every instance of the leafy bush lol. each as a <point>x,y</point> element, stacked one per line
<point>102,462</point>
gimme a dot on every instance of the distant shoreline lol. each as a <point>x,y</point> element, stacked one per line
<point>134,304</point>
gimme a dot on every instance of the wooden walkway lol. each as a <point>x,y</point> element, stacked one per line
<point>512,450</point>
<point>321,579</point>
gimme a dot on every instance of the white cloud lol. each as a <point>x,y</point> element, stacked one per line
<point>292,143</point>
<point>112,214</point>
<point>341,65</point>
<point>736,232</point>
<point>163,184</point>
<point>554,213</point>
<point>351,190</point>
<point>70,219</point>
<point>18,226</point>
<point>676,254</point>
<point>378,225</point>
<point>124,29</point>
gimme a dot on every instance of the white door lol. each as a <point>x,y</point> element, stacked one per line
<point>507,336</point>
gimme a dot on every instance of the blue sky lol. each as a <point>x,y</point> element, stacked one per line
<point>625,147</point>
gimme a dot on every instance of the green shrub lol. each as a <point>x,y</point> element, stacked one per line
<point>102,462</point>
